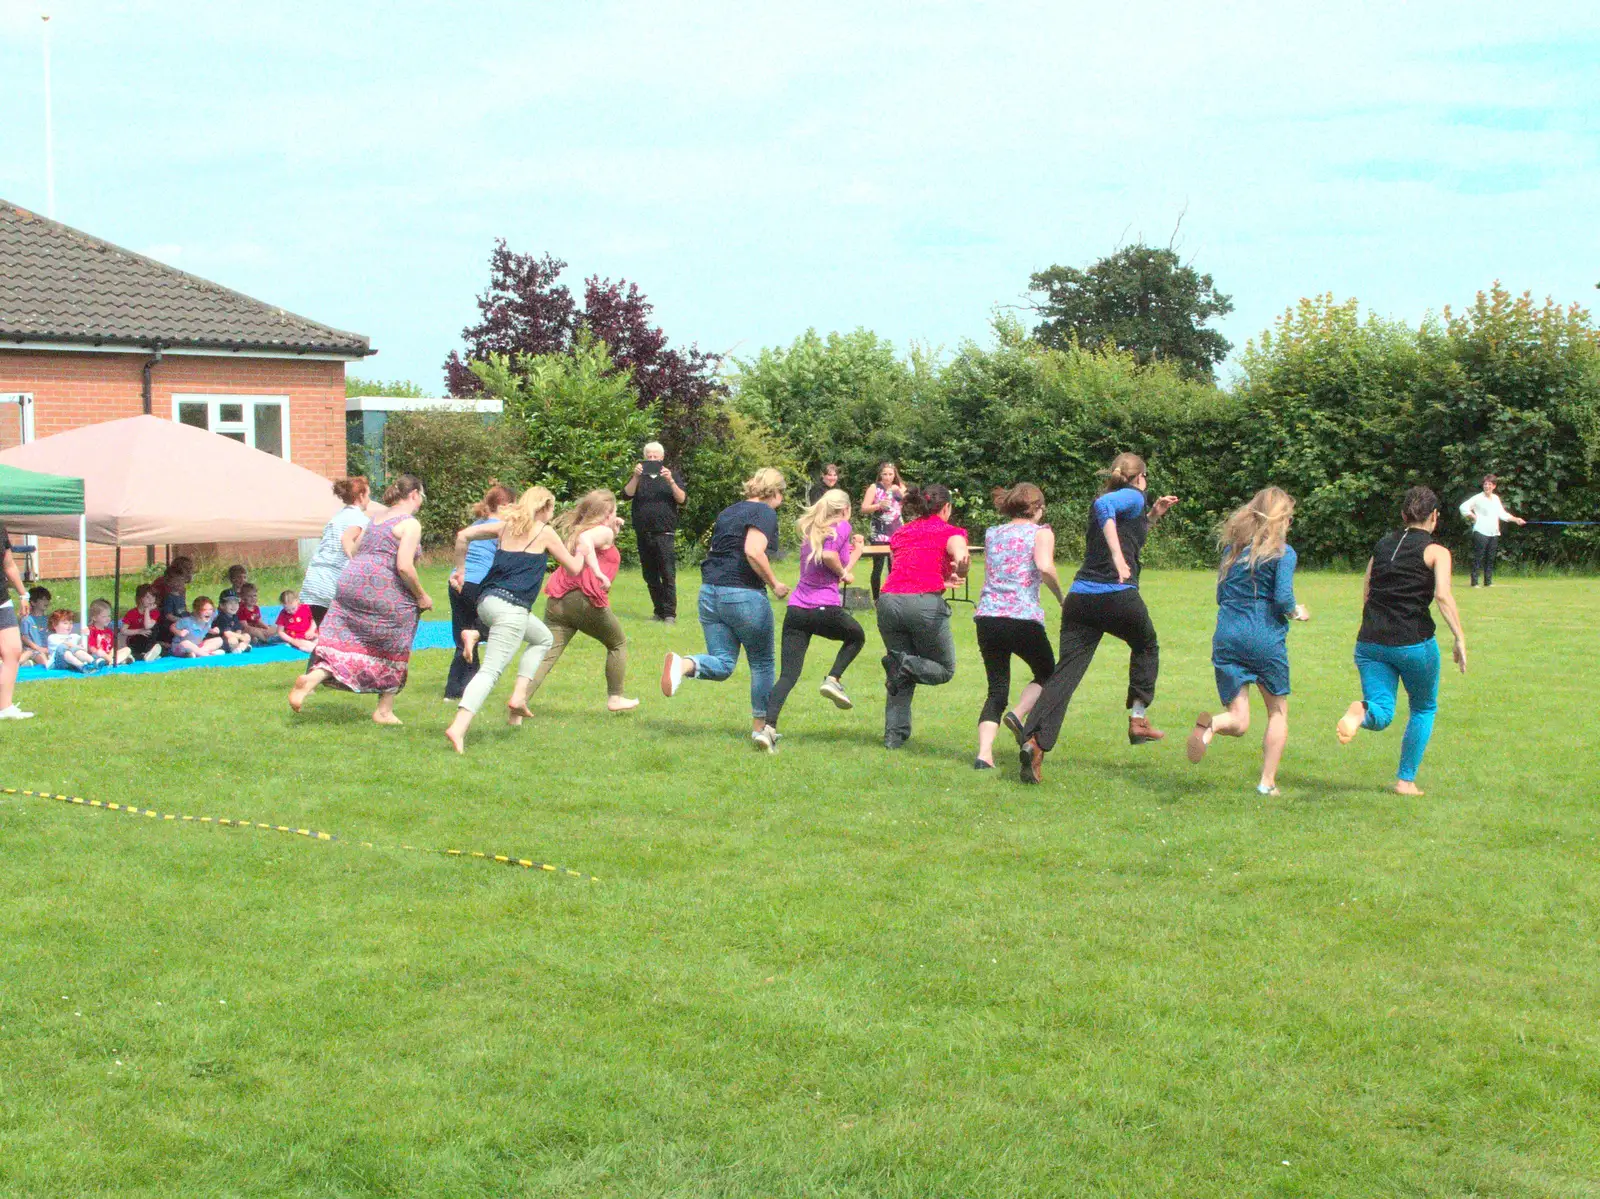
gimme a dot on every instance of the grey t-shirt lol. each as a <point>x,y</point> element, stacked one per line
<point>322,572</point>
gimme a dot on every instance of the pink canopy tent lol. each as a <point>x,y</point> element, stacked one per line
<point>148,481</point>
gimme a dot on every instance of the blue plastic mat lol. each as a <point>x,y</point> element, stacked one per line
<point>431,634</point>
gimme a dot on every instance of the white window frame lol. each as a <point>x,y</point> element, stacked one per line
<point>247,426</point>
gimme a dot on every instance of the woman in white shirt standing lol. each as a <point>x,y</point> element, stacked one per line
<point>1485,511</point>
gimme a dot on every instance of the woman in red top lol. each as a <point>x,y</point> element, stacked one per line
<point>582,603</point>
<point>927,554</point>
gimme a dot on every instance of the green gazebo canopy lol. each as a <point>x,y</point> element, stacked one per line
<point>28,493</point>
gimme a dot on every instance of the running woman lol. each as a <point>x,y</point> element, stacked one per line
<point>1408,571</point>
<point>913,617</point>
<point>1255,602</point>
<point>1104,598</point>
<point>882,502</point>
<point>828,554</point>
<point>1486,511</point>
<point>733,606</point>
<point>1017,557</point>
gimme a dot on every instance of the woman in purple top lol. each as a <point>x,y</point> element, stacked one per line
<point>1017,557</point>
<point>827,556</point>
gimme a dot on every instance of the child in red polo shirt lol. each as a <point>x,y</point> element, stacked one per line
<point>250,618</point>
<point>295,623</point>
<point>141,627</point>
<point>103,638</point>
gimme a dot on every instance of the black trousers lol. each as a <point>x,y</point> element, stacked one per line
<point>999,637</point>
<point>318,611</point>
<point>879,561</point>
<point>658,559</point>
<point>1084,620</point>
<point>463,616</point>
<point>800,625</point>
<point>1484,549</point>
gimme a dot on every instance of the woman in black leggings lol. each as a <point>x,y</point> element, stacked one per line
<point>1104,598</point>
<point>828,554</point>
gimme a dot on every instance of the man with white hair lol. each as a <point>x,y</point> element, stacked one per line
<point>657,494</point>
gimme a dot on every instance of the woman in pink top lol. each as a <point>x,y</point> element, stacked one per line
<point>582,603</point>
<point>928,553</point>
<point>828,553</point>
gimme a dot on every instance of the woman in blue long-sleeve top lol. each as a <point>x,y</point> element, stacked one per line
<point>1255,602</point>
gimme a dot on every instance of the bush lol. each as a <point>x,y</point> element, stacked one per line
<point>457,455</point>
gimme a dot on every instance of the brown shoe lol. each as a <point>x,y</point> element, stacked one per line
<point>1196,748</point>
<point>1031,759</point>
<point>1139,731</point>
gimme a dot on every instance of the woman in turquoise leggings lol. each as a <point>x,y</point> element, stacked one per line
<point>1408,572</point>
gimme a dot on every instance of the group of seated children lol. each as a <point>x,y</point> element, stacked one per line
<point>161,621</point>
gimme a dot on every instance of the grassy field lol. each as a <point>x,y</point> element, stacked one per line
<point>832,972</point>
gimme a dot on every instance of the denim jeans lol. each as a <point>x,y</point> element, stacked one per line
<point>732,617</point>
<point>1382,669</point>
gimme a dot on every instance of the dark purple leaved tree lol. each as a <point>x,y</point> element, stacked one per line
<point>527,311</point>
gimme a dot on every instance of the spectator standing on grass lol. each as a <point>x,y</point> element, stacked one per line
<point>733,606</point>
<point>364,643</point>
<point>657,494</point>
<point>1407,572</point>
<point>828,554</point>
<point>10,631</point>
<point>337,546</point>
<point>1486,511</point>
<point>1255,602</point>
<point>524,543</point>
<point>825,484</point>
<point>1018,556</point>
<point>465,630</point>
<point>929,553</point>
<point>1104,598</point>
<point>881,502</point>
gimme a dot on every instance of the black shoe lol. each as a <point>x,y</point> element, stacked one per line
<point>980,764</point>
<point>1014,722</point>
<point>1031,759</point>
<point>893,742</point>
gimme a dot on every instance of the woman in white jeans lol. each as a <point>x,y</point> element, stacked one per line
<point>505,598</point>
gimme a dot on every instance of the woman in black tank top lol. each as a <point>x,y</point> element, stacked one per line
<point>1408,572</point>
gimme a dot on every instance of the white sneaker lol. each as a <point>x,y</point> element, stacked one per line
<point>832,689</point>
<point>766,738</point>
<point>672,675</point>
<point>14,713</point>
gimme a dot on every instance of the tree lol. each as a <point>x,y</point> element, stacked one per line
<point>527,310</point>
<point>1142,300</point>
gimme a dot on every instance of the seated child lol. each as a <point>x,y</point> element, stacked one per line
<point>141,627</point>
<point>173,588</point>
<point>33,628</point>
<point>102,638</point>
<point>234,639</point>
<point>68,650</point>
<point>296,624</point>
<point>260,631</point>
<point>238,576</point>
<point>193,636</point>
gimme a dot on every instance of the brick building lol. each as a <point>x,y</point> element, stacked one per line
<point>90,332</point>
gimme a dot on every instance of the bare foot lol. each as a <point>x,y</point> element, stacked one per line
<point>455,739</point>
<point>618,703</point>
<point>302,688</point>
<point>1403,787</point>
<point>386,718</point>
<point>516,712</point>
<point>1350,722</point>
<point>469,642</point>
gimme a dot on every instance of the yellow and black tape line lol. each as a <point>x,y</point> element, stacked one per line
<point>312,834</point>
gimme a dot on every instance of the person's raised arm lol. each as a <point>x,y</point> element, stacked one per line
<point>465,536</point>
<point>1437,557</point>
<point>678,493</point>
<point>405,561</point>
<point>869,501</point>
<point>632,485</point>
<point>591,543</point>
<point>549,542</point>
<point>960,556</point>
<point>1044,558</point>
<point>755,553</point>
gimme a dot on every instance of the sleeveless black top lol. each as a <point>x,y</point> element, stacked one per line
<point>1396,612</point>
<point>515,575</point>
<point>1132,529</point>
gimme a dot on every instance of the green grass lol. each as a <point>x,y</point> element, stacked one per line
<point>833,972</point>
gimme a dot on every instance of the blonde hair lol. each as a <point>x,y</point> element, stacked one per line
<point>764,484</point>
<point>1125,468</point>
<point>518,519</point>
<point>1258,531</point>
<point>824,515</point>
<point>593,508</point>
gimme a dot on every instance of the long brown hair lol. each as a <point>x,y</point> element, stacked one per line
<point>518,518</point>
<point>497,497</point>
<point>1258,531</point>
<point>593,508</point>
<point>1125,468</point>
<point>1021,500</point>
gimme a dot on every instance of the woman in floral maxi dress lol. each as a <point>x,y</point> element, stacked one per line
<point>364,643</point>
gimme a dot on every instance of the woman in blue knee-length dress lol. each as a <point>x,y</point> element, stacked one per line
<point>1255,602</point>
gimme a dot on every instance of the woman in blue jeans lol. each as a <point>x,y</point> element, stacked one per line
<point>1408,572</point>
<point>734,608</point>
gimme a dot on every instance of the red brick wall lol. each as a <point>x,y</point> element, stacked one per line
<point>71,389</point>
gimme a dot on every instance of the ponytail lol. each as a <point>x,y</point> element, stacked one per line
<point>925,501</point>
<point>1125,468</point>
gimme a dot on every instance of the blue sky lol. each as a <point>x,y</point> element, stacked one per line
<point>761,169</point>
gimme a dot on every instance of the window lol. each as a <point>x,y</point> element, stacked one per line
<point>261,422</point>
